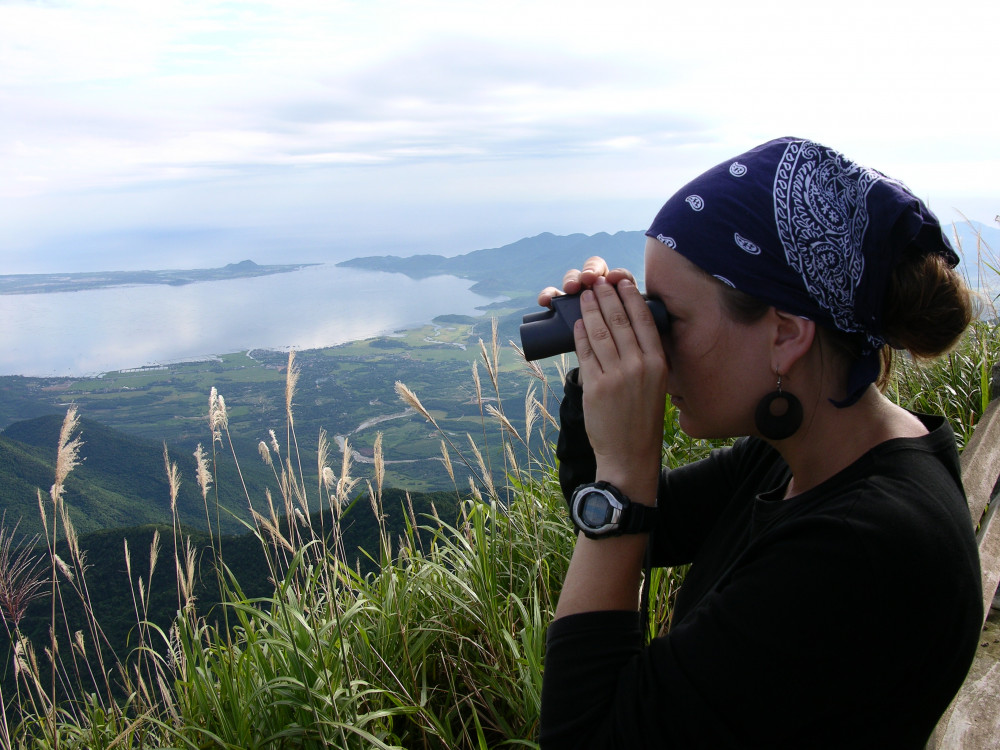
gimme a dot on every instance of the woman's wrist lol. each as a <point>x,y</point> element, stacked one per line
<point>639,486</point>
<point>604,574</point>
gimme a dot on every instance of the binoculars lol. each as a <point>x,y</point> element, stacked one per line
<point>550,332</point>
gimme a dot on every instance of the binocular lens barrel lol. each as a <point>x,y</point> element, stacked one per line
<point>550,332</point>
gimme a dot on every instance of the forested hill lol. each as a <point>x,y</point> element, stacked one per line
<point>121,480</point>
<point>522,267</point>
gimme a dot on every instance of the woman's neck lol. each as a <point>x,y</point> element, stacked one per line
<point>832,439</point>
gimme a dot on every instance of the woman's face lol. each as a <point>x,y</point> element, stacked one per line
<point>718,368</point>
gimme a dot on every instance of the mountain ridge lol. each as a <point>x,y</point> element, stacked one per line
<point>524,266</point>
<point>532,263</point>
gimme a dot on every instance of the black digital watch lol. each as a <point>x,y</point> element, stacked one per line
<point>601,510</point>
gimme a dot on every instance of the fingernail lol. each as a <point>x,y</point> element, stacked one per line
<point>624,283</point>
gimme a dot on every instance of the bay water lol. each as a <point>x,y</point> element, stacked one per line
<point>89,332</point>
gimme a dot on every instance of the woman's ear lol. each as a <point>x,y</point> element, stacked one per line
<point>793,337</point>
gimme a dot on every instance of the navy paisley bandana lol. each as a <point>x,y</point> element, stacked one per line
<point>805,229</point>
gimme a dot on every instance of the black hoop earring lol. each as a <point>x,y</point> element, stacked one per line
<point>778,415</point>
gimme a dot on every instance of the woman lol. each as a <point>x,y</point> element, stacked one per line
<point>834,597</point>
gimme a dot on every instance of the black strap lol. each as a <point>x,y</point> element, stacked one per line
<point>641,519</point>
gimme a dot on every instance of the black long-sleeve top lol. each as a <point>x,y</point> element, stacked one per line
<point>844,617</point>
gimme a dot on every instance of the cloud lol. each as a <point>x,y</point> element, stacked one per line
<point>314,115</point>
<point>443,98</point>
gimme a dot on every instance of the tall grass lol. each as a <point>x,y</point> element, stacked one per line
<point>959,385</point>
<point>440,647</point>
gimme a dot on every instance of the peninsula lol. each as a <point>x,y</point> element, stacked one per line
<point>48,283</point>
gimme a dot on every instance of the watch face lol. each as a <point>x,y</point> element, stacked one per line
<point>597,512</point>
<point>594,510</point>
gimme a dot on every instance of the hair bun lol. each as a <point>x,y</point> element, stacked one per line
<point>927,306</point>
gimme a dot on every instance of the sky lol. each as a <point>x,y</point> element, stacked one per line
<point>180,134</point>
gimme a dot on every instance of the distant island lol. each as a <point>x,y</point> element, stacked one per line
<point>48,283</point>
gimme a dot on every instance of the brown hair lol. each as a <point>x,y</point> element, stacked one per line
<point>926,310</point>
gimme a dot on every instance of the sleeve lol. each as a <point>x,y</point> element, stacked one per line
<point>577,464</point>
<point>759,662</point>
<point>575,690</point>
<point>692,498</point>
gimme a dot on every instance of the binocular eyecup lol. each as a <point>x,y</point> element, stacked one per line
<point>550,332</point>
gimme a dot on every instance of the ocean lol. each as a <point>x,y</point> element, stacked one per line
<point>86,333</point>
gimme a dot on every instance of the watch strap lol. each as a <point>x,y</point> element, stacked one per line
<point>638,519</point>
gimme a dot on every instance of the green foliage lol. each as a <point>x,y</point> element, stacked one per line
<point>384,343</point>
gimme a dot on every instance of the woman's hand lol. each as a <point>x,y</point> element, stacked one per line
<point>624,370</point>
<point>576,280</point>
<point>624,373</point>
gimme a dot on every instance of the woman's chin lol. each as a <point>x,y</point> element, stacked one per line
<point>688,426</point>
